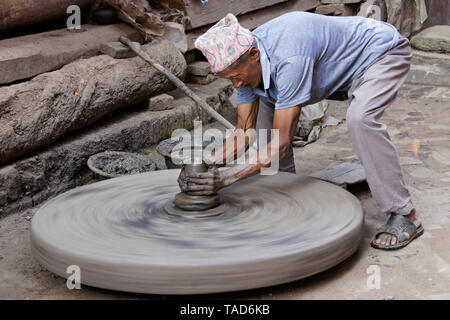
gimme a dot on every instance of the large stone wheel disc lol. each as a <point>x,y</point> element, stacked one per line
<point>277,229</point>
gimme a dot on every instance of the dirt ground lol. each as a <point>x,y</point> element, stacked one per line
<point>419,125</point>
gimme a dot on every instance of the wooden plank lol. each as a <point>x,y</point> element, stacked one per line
<point>259,17</point>
<point>27,56</point>
<point>35,113</point>
<point>342,174</point>
<point>215,10</point>
<point>177,4</point>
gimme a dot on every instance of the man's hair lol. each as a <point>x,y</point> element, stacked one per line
<point>243,58</point>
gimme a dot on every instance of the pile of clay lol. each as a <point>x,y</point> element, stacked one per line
<point>113,164</point>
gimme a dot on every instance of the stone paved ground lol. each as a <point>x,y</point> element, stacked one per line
<point>419,117</point>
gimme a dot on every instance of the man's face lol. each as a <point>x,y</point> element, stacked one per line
<point>247,74</point>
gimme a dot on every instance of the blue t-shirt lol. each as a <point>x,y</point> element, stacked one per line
<point>305,57</point>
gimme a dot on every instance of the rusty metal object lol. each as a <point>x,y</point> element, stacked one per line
<point>20,13</point>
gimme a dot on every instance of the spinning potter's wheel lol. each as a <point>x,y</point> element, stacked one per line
<point>276,229</point>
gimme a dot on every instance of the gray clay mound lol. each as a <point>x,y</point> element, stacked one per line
<point>112,164</point>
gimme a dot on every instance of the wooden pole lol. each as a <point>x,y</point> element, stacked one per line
<point>213,113</point>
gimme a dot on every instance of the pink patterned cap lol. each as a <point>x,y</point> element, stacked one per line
<point>224,43</point>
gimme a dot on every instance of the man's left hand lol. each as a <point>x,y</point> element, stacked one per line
<point>205,183</point>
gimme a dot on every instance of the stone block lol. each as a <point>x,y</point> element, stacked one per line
<point>200,80</point>
<point>117,50</point>
<point>436,38</point>
<point>12,183</point>
<point>161,102</point>
<point>199,68</point>
<point>420,56</point>
<point>31,55</point>
<point>174,32</point>
<point>3,198</point>
<point>432,75</point>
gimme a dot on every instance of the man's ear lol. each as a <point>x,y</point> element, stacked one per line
<point>253,54</point>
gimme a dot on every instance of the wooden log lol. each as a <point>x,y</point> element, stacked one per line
<point>259,17</point>
<point>438,13</point>
<point>36,113</point>
<point>33,179</point>
<point>28,56</point>
<point>19,13</point>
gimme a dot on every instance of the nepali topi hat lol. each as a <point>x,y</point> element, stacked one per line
<point>224,43</point>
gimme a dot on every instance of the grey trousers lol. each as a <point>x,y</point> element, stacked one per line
<point>265,121</point>
<point>369,95</point>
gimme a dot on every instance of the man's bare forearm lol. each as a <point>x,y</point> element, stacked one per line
<point>284,124</point>
<point>236,144</point>
<point>244,135</point>
<point>262,159</point>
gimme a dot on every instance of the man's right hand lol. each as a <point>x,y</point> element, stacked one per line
<point>233,146</point>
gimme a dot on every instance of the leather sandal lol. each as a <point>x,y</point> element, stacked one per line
<point>396,226</point>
